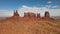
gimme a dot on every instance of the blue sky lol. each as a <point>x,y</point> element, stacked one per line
<point>18,4</point>
<point>14,4</point>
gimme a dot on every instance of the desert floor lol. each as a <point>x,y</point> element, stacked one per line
<point>26,25</point>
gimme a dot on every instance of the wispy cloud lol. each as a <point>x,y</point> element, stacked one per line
<point>49,2</point>
<point>24,8</point>
<point>41,10</point>
<point>52,7</point>
<point>5,13</point>
<point>55,7</point>
<point>32,9</point>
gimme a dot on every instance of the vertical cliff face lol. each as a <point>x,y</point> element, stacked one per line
<point>16,13</point>
<point>38,15</point>
<point>29,15</point>
<point>47,14</point>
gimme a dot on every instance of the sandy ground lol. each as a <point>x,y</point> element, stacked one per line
<point>18,25</point>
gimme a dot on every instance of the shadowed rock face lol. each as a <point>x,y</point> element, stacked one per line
<point>20,25</point>
<point>47,14</point>
<point>16,13</point>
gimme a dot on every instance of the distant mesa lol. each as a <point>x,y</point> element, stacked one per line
<point>29,14</point>
<point>32,15</point>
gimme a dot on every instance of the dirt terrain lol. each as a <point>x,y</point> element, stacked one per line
<point>25,25</point>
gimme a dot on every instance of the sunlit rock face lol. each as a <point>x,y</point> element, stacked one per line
<point>30,15</point>
<point>32,25</point>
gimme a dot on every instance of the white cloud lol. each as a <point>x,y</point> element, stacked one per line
<point>55,12</point>
<point>32,9</point>
<point>5,13</point>
<point>55,6</point>
<point>49,2</point>
<point>48,6</point>
<point>41,10</point>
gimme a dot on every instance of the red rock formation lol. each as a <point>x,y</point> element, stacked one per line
<point>29,14</point>
<point>47,14</point>
<point>38,15</point>
<point>16,13</point>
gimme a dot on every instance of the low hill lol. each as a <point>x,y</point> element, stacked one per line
<point>23,25</point>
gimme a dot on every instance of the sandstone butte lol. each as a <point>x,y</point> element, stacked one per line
<point>29,24</point>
